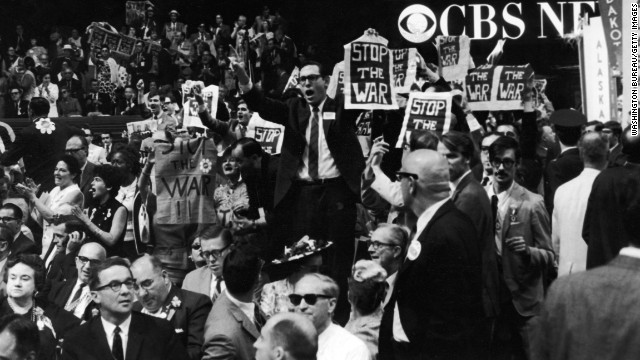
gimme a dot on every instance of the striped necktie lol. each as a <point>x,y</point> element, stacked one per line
<point>313,144</point>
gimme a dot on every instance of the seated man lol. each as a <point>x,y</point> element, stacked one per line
<point>287,336</point>
<point>11,215</point>
<point>185,310</point>
<point>208,280</point>
<point>19,338</point>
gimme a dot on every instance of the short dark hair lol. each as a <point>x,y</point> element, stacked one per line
<point>458,142</point>
<point>288,334</point>
<point>17,212</point>
<point>39,106</point>
<point>32,261</point>
<point>599,126</point>
<point>25,332</point>
<point>111,175</point>
<point>248,146</point>
<point>72,165</point>
<point>240,270</point>
<point>214,231</point>
<point>366,296</point>
<point>568,135</point>
<point>614,126</point>
<point>423,139</point>
<point>314,63</point>
<point>502,144</point>
<point>94,274</point>
<point>131,156</point>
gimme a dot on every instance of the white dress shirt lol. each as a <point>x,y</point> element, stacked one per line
<point>630,251</point>
<point>109,329</point>
<point>246,308</point>
<point>336,343</point>
<point>391,281</point>
<point>570,206</point>
<point>83,301</point>
<point>389,190</point>
<point>398,332</point>
<point>327,168</point>
<point>212,288</point>
<point>503,205</point>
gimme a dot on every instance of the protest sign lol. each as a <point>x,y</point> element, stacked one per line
<point>190,105</point>
<point>135,11</point>
<point>495,88</point>
<point>112,41</point>
<point>404,69</point>
<point>363,131</point>
<point>336,83</point>
<point>293,79</point>
<point>426,111</point>
<point>98,35</point>
<point>127,46</point>
<point>599,86</point>
<point>454,57</point>
<point>270,135</point>
<point>185,182</point>
<point>368,74</point>
<point>142,126</point>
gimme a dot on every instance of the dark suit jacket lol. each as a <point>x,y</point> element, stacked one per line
<point>565,167</point>
<point>586,315</point>
<point>24,245</point>
<point>85,181</point>
<point>470,198</point>
<point>61,292</point>
<point>40,152</point>
<point>439,293</point>
<point>11,111</point>
<point>616,157</point>
<point>229,333</point>
<point>294,115</point>
<point>149,338</point>
<point>188,319</point>
<point>605,230</point>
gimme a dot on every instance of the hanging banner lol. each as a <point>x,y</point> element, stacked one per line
<point>368,69</point>
<point>127,46</point>
<point>185,182</point>
<point>142,126</point>
<point>426,111</point>
<point>405,63</point>
<point>611,13</point>
<point>270,135</point>
<point>190,105</point>
<point>336,83</point>
<point>599,92</point>
<point>97,37</point>
<point>496,88</point>
<point>454,58</point>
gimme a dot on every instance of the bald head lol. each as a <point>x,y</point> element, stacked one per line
<point>594,150</point>
<point>147,263</point>
<point>425,180</point>
<point>292,332</point>
<point>89,254</point>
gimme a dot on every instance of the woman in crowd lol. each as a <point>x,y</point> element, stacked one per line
<point>66,176</point>
<point>232,199</point>
<point>48,91</point>
<point>127,160</point>
<point>25,276</point>
<point>68,105</point>
<point>106,219</point>
<point>107,72</point>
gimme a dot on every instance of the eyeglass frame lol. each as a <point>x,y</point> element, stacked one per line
<point>497,162</point>
<point>377,244</point>
<point>403,174</point>
<point>116,286</point>
<point>303,297</point>
<point>84,260</point>
<point>3,219</point>
<point>215,257</point>
<point>310,77</point>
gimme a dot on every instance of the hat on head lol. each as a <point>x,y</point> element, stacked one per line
<point>568,118</point>
<point>67,47</point>
<point>270,36</point>
<point>174,12</point>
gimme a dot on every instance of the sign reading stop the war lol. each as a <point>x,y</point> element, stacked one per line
<point>426,111</point>
<point>270,135</point>
<point>368,74</point>
<point>497,88</point>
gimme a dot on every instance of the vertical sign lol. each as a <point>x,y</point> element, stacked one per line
<point>597,70</point>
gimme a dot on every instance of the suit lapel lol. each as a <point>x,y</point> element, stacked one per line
<point>65,292</point>
<point>206,280</point>
<point>101,345</point>
<point>134,343</point>
<point>248,326</point>
<point>461,185</point>
<point>303,118</point>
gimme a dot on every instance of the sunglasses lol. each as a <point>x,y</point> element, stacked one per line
<point>310,299</point>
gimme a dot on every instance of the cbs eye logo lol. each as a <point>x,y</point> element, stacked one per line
<point>417,23</point>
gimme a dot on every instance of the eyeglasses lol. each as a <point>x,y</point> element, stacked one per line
<point>215,253</point>
<point>195,246</point>
<point>92,262</point>
<point>507,163</point>
<point>72,151</point>
<point>143,285</point>
<point>401,174</point>
<point>510,134</point>
<point>310,299</point>
<point>106,137</point>
<point>312,78</point>
<point>6,219</point>
<point>15,93</point>
<point>117,285</point>
<point>377,244</point>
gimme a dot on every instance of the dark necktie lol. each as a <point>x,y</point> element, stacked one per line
<point>494,206</point>
<point>485,181</point>
<point>219,285</point>
<point>313,144</point>
<point>258,318</point>
<point>116,349</point>
<point>76,296</point>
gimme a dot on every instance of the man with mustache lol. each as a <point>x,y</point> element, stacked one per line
<point>523,244</point>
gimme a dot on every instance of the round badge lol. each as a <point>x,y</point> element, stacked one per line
<point>414,250</point>
<point>417,23</point>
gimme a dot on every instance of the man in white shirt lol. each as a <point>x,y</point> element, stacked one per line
<point>97,154</point>
<point>388,247</point>
<point>315,297</point>
<point>73,294</point>
<point>570,205</point>
<point>287,336</point>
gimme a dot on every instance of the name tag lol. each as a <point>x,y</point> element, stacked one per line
<point>329,116</point>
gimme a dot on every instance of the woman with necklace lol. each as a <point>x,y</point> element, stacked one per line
<point>127,160</point>
<point>106,219</point>
<point>25,275</point>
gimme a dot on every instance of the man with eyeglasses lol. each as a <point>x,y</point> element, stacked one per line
<point>106,142</point>
<point>158,297</point>
<point>118,331</point>
<point>11,217</point>
<point>388,247</point>
<point>315,296</point>
<point>16,107</point>
<point>208,280</point>
<point>73,294</point>
<point>436,309</point>
<point>523,244</point>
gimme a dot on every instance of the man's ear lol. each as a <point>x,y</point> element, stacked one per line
<point>332,305</point>
<point>95,296</point>
<point>4,246</point>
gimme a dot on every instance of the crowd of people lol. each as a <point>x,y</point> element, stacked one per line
<point>518,240</point>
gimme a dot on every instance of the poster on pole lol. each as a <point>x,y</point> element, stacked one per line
<point>454,57</point>
<point>368,74</point>
<point>190,105</point>
<point>599,93</point>
<point>496,88</point>
<point>405,64</point>
<point>426,111</point>
<point>185,182</point>
<point>270,135</point>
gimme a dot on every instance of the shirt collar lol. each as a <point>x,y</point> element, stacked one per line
<point>567,149</point>
<point>391,279</point>
<point>320,107</point>
<point>491,191</point>
<point>109,327</point>
<point>246,308</point>
<point>426,216</point>
<point>631,252</point>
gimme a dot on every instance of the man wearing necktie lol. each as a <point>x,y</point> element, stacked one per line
<point>318,182</point>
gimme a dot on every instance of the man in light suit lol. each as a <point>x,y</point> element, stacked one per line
<point>185,310</point>
<point>523,242</point>
<point>208,280</point>
<point>594,314</point>
<point>78,147</point>
<point>118,333</point>
<point>97,154</point>
<point>234,322</point>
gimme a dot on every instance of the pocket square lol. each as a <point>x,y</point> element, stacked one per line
<point>178,331</point>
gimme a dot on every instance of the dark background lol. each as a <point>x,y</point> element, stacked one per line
<point>330,24</point>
